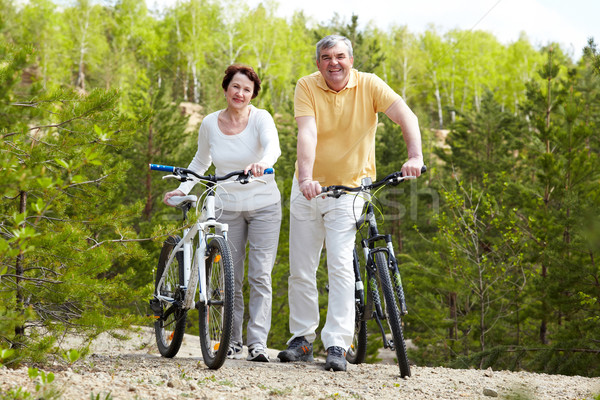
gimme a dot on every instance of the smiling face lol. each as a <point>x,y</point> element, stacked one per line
<point>335,65</point>
<point>240,91</point>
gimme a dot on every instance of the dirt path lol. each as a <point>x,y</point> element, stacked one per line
<point>134,370</point>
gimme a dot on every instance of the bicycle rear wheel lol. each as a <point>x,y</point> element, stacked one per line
<point>170,325</point>
<point>216,314</point>
<point>357,352</point>
<point>393,315</point>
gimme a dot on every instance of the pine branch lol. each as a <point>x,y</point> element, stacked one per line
<point>122,240</point>
<point>25,278</point>
<point>555,349</point>
<point>86,182</point>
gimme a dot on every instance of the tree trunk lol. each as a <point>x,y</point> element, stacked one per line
<point>438,101</point>
<point>196,83</point>
<point>404,77</point>
<point>453,330</point>
<point>148,206</point>
<point>82,50</point>
<point>19,271</point>
<point>481,310</point>
<point>544,273</point>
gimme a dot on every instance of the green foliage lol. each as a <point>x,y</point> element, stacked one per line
<point>45,387</point>
<point>71,356</point>
<point>565,359</point>
<point>98,396</point>
<point>5,355</point>
<point>59,215</point>
<point>483,141</point>
<point>522,231</point>
<point>591,52</point>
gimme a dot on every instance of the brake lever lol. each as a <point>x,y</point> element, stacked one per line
<point>180,178</point>
<point>244,179</point>
<point>335,193</point>
<point>249,177</point>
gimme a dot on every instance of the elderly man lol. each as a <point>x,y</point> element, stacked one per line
<point>336,112</point>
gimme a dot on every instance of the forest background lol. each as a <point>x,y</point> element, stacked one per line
<point>498,243</point>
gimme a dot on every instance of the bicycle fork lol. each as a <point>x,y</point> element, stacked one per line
<point>392,265</point>
<point>374,305</point>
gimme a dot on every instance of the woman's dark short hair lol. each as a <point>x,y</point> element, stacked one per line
<point>241,69</point>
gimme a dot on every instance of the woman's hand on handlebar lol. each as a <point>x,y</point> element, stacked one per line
<point>310,189</point>
<point>168,195</point>
<point>257,168</point>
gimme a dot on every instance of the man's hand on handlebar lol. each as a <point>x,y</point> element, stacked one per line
<point>412,167</point>
<point>309,188</point>
<point>168,195</point>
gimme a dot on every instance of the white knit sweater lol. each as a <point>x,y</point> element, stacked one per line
<point>259,142</point>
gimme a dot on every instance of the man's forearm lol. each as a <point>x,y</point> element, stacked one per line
<point>412,137</point>
<point>306,147</point>
<point>401,114</point>
<point>306,157</point>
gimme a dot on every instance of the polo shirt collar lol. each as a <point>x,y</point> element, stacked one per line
<point>351,82</point>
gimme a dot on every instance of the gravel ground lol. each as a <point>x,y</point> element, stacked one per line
<point>133,369</point>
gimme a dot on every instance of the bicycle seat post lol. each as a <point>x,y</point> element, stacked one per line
<point>185,210</point>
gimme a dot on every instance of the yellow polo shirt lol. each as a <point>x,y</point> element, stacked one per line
<point>346,124</point>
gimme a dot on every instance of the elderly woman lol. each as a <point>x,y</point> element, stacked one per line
<point>244,137</point>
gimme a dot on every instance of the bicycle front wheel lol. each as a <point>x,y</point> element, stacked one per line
<point>170,325</point>
<point>357,352</point>
<point>393,315</point>
<point>216,314</point>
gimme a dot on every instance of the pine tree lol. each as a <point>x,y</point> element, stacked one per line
<point>60,222</point>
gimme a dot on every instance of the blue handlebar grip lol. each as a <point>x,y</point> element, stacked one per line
<point>269,171</point>
<point>157,167</point>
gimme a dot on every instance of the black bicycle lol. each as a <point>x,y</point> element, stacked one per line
<point>381,273</point>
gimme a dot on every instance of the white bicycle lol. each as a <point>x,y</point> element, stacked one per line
<point>199,261</point>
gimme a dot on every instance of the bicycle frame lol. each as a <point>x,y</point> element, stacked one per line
<point>195,260</point>
<point>205,229</point>
<point>369,250</point>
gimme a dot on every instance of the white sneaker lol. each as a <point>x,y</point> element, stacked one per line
<point>235,351</point>
<point>257,352</point>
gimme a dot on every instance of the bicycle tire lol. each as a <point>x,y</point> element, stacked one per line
<point>216,314</point>
<point>393,314</point>
<point>357,353</point>
<point>169,332</point>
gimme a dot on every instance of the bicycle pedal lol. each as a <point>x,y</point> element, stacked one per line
<point>156,308</point>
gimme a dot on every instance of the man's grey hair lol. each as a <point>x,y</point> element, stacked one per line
<point>330,41</point>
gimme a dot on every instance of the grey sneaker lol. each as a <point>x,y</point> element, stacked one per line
<point>299,349</point>
<point>336,359</point>
<point>257,352</point>
<point>235,351</point>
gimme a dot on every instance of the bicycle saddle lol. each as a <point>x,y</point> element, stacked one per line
<point>181,201</point>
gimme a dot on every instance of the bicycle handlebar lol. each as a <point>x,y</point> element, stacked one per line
<point>182,174</point>
<point>392,179</point>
